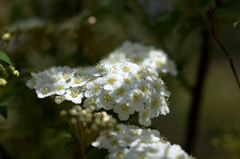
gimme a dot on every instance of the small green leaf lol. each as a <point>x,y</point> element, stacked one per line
<point>5,58</point>
<point>66,135</point>
<point>3,111</point>
<point>70,145</point>
<point>97,153</point>
<point>236,23</point>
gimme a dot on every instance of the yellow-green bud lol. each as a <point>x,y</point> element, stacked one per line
<point>63,113</point>
<point>3,82</point>
<point>16,73</point>
<point>6,37</point>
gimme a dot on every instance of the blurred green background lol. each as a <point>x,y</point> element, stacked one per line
<point>47,33</point>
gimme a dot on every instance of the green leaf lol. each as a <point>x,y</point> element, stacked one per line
<point>3,111</point>
<point>236,23</point>
<point>97,153</point>
<point>5,58</point>
<point>66,135</point>
<point>70,145</point>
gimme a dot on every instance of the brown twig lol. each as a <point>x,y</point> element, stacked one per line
<point>221,45</point>
<point>197,91</point>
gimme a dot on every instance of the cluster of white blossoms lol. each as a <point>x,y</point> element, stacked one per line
<point>129,141</point>
<point>126,83</point>
<point>122,86</point>
<point>146,55</point>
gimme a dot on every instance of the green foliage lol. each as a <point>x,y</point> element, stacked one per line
<point>236,23</point>
<point>4,57</point>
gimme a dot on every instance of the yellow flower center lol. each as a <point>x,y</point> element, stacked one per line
<point>92,102</point>
<point>77,81</point>
<point>59,87</point>
<point>136,97</point>
<point>45,90</point>
<point>96,87</point>
<point>59,98</point>
<point>124,107</point>
<point>154,103</point>
<point>127,80</point>
<point>120,91</point>
<point>114,142</point>
<point>100,68</point>
<point>119,155</point>
<point>126,69</point>
<point>145,115</point>
<point>107,98</point>
<point>143,89</point>
<point>127,140</point>
<point>74,94</point>
<point>111,81</point>
<point>158,63</point>
<point>135,133</point>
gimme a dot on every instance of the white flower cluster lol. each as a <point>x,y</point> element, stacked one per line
<point>123,86</point>
<point>128,142</point>
<point>145,55</point>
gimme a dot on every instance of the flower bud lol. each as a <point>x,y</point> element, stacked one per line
<point>6,37</point>
<point>16,73</point>
<point>73,112</point>
<point>3,82</point>
<point>63,113</point>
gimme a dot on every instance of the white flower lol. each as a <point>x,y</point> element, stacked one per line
<point>112,81</point>
<point>31,83</point>
<point>45,90</point>
<point>75,95</point>
<point>94,88</point>
<point>59,99</point>
<point>105,101</point>
<point>123,111</point>
<point>137,100</point>
<point>60,87</point>
<point>121,94</point>
<point>144,117</point>
<point>91,102</point>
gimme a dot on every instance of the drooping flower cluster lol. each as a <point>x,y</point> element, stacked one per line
<point>128,142</point>
<point>123,86</point>
<point>87,121</point>
<point>146,55</point>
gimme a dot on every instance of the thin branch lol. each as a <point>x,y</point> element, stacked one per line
<point>194,112</point>
<point>221,45</point>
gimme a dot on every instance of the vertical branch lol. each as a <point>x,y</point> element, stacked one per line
<point>221,45</point>
<point>193,119</point>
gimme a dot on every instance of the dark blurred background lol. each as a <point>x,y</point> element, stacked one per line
<point>47,33</point>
